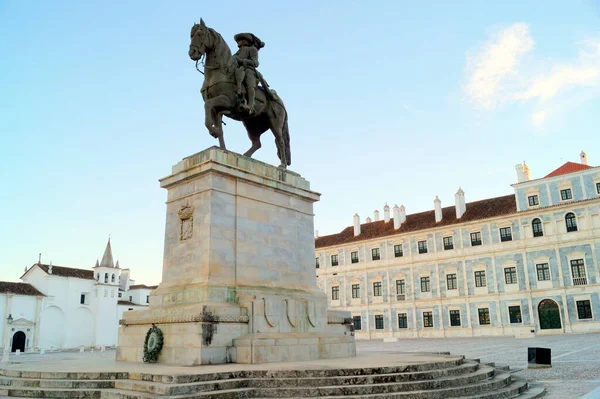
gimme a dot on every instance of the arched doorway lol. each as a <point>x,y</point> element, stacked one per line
<point>549,314</point>
<point>18,341</point>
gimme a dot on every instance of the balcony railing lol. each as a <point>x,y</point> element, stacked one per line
<point>579,280</point>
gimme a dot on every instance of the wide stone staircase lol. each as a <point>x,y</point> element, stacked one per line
<point>454,377</point>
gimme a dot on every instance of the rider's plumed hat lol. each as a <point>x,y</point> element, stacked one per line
<point>252,40</point>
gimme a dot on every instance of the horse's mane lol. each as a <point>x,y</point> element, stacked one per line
<point>221,49</point>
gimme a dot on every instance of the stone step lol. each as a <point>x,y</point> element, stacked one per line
<point>514,390</point>
<point>177,389</point>
<point>52,393</point>
<point>462,381</point>
<point>463,369</point>
<point>51,375</point>
<point>334,372</point>
<point>238,393</point>
<point>181,389</point>
<point>496,382</point>
<point>14,382</point>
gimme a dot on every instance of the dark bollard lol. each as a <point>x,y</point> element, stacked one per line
<point>539,358</point>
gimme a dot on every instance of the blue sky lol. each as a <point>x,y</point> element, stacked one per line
<point>389,101</point>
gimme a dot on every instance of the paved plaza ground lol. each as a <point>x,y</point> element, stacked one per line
<point>575,368</point>
<point>575,358</point>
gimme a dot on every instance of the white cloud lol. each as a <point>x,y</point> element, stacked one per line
<point>496,62</point>
<point>546,87</point>
<point>538,118</point>
<point>496,75</point>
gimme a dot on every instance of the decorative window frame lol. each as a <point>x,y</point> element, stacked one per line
<point>506,264</point>
<point>331,286</point>
<point>574,256</point>
<point>577,221</point>
<point>444,236</point>
<point>446,272</point>
<point>471,231</point>
<point>371,248</point>
<point>563,185</point>
<point>480,267</point>
<point>543,283</point>
<point>475,229</point>
<point>531,191</point>
<point>510,304</point>
<point>423,310</point>
<point>426,294</point>
<point>379,298</point>
<point>507,225</point>
<point>530,226</point>
<point>460,319</point>
<point>350,250</point>
<point>583,297</point>
<point>489,308</point>
<point>596,180</point>
<point>331,255</point>
<point>401,243</point>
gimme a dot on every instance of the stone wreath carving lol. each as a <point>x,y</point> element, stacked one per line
<point>153,344</point>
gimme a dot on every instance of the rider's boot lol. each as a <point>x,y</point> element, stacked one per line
<point>251,96</point>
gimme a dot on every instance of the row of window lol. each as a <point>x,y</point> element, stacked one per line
<point>505,235</point>
<point>510,277</point>
<point>106,276</point>
<point>584,311</point>
<point>565,195</point>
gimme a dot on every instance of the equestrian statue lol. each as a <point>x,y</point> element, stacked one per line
<point>235,88</point>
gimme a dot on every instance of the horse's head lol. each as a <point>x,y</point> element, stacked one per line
<point>201,41</point>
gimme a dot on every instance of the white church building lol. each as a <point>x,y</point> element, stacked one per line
<point>56,307</point>
<point>523,264</point>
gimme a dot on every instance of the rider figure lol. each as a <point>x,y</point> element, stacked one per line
<point>247,62</point>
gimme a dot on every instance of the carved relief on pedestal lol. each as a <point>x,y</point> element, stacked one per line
<point>311,313</point>
<point>186,220</point>
<point>271,312</point>
<point>290,307</point>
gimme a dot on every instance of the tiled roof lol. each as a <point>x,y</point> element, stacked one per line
<point>62,271</point>
<point>477,210</point>
<point>7,287</point>
<point>129,303</point>
<point>568,167</point>
<point>142,286</point>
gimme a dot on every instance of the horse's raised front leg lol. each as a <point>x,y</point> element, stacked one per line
<point>213,110</point>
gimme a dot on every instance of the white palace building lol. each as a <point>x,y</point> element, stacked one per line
<point>56,307</point>
<point>518,265</point>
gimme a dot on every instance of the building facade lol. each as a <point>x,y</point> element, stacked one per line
<point>56,307</point>
<point>517,265</point>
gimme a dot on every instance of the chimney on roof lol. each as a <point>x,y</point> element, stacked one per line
<point>376,215</point>
<point>522,172</point>
<point>437,206</point>
<point>316,233</point>
<point>368,220</point>
<point>459,203</point>
<point>50,268</point>
<point>386,213</point>
<point>402,214</point>
<point>397,222</point>
<point>583,158</point>
<point>356,224</point>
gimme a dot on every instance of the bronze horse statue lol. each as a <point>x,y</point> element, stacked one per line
<point>220,96</point>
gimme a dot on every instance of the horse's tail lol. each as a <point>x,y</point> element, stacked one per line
<point>286,139</point>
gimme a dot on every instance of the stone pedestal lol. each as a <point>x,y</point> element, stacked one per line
<point>238,269</point>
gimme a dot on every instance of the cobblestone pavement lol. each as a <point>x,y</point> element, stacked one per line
<point>575,368</point>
